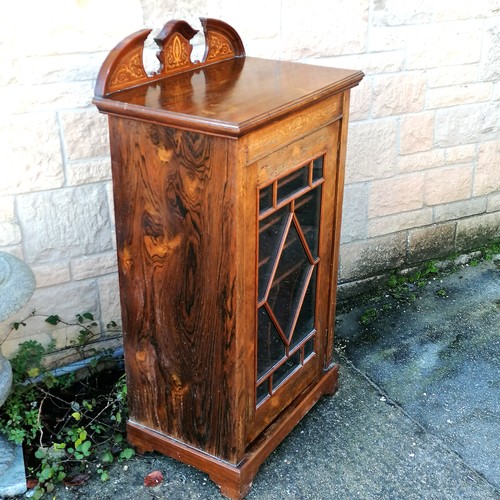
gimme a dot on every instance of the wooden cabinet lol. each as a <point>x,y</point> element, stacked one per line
<point>228,176</point>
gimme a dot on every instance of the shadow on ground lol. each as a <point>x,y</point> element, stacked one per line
<point>417,414</point>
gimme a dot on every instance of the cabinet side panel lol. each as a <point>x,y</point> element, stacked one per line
<point>174,221</point>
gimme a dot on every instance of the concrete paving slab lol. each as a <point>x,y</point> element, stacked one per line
<point>354,445</point>
<point>439,358</point>
<point>380,436</point>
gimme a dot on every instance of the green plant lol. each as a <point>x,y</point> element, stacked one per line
<point>67,425</point>
<point>368,316</point>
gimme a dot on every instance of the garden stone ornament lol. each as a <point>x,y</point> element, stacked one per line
<point>17,284</point>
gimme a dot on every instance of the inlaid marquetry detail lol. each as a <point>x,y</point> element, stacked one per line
<point>176,53</point>
<point>219,46</point>
<point>124,68</point>
<point>133,69</point>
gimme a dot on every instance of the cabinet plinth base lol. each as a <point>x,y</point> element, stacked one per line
<point>235,480</point>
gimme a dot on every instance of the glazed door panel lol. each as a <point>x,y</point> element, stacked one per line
<point>294,227</point>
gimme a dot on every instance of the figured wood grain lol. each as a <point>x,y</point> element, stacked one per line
<point>174,203</point>
<point>229,97</point>
<point>191,146</point>
<point>235,480</point>
<point>337,201</point>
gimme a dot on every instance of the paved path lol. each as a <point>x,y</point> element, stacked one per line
<point>416,417</point>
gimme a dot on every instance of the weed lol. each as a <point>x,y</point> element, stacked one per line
<point>368,316</point>
<point>65,426</point>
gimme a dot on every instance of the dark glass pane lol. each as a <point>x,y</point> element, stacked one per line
<point>265,198</point>
<point>307,210</point>
<point>308,348</point>
<point>292,183</point>
<point>288,282</point>
<point>286,369</point>
<point>305,322</point>
<point>262,391</point>
<point>270,232</point>
<point>318,168</point>
<point>270,347</point>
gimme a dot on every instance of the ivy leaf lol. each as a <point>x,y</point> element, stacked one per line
<point>86,448</point>
<point>53,320</point>
<point>107,457</point>
<point>88,316</point>
<point>127,453</point>
<point>33,372</point>
<point>76,415</point>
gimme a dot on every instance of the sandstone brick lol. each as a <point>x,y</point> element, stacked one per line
<point>388,38</point>
<point>444,44</point>
<point>361,97</point>
<point>493,202</point>
<point>477,231</point>
<point>371,150</point>
<point>461,154</point>
<point>371,63</point>
<point>487,174</point>
<point>109,298</point>
<point>353,289</point>
<point>417,133</point>
<point>452,75</point>
<point>88,171</point>
<point>340,28</point>
<point>10,233</point>
<point>399,222</point>
<point>490,63</point>
<point>421,161</point>
<point>93,265</point>
<point>85,134</point>
<point>464,10</point>
<point>459,209</point>
<point>66,26</point>
<point>65,223</point>
<point>32,156</point>
<point>49,97</point>
<point>467,124</point>
<point>399,194</point>
<point>448,184</point>
<point>10,345</point>
<point>496,91</point>
<point>109,195</point>
<point>431,242</point>
<point>57,68</point>
<point>51,274</point>
<point>66,300</point>
<point>395,12</point>
<point>371,257</point>
<point>16,250</point>
<point>461,94</point>
<point>7,209</point>
<point>354,212</point>
<point>397,94</point>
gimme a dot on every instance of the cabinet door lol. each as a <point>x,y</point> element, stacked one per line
<point>295,200</point>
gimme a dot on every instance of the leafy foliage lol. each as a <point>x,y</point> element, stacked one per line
<point>67,426</point>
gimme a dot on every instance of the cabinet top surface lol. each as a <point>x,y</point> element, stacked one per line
<point>232,96</point>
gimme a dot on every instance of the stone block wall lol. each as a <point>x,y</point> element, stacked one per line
<point>423,165</point>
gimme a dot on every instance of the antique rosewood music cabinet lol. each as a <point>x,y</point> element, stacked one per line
<point>228,176</point>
